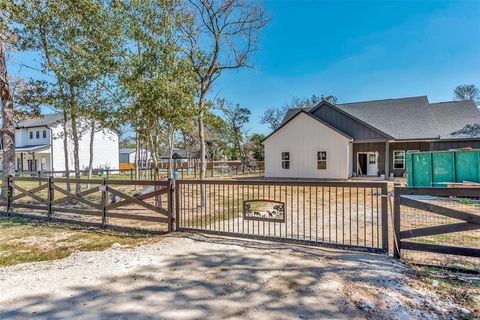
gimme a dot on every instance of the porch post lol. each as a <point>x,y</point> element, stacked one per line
<point>387,159</point>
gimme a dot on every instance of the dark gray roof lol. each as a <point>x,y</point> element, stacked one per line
<point>44,120</point>
<point>413,117</point>
<point>451,117</point>
<point>32,148</point>
<point>180,154</point>
<point>403,119</point>
<point>292,112</point>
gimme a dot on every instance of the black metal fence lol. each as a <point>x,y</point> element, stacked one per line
<point>339,214</point>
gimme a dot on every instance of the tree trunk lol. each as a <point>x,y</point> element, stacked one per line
<point>170,152</point>
<point>65,149</point>
<point>137,155</point>
<point>8,129</point>
<point>76,159</point>
<point>90,159</point>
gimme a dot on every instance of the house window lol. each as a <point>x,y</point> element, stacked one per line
<point>322,160</point>
<point>19,164</point>
<point>399,159</point>
<point>31,134</point>
<point>37,134</point>
<point>43,164</point>
<point>372,158</point>
<point>285,160</point>
<point>44,134</point>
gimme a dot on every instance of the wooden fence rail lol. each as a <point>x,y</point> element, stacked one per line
<point>469,221</point>
<point>57,194</point>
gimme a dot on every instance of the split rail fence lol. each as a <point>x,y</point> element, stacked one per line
<point>96,202</point>
<point>438,225</point>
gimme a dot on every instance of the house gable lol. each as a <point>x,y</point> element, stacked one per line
<point>308,115</point>
<point>346,123</point>
<point>303,137</point>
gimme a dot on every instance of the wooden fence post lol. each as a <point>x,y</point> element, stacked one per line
<point>50,197</point>
<point>171,190</point>
<point>103,189</point>
<point>131,173</point>
<point>396,224</point>
<point>9,191</point>
<point>384,195</point>
<point>177,206</point>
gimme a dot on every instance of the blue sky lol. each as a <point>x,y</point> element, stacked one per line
<point>359,50</point>
<point>356,50</point>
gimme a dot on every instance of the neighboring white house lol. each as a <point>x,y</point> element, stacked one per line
<point>306,147</point>
<point>39,146</point>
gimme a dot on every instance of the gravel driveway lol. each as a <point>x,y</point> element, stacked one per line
<point>189,276</point>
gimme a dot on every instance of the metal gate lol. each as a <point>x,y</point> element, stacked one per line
<point>349,215</point>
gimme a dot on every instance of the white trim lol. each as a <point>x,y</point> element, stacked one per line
<point>403,162</point>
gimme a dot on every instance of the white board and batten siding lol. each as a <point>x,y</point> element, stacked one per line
<point>105,149</point>
<point>303,137</point>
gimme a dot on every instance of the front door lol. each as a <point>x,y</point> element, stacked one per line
<point>372,165</point>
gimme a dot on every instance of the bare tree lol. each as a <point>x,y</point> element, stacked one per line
<point>467,92</point>
<point>221,35</point>
<point>273,117</point>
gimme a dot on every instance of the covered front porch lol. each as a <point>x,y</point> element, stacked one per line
<point>32,158</point>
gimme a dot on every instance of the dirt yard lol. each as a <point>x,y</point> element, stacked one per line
<point>188,276</point>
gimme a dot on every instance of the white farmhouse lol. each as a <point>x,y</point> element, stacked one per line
<point>366,138</point>
<point>39,146</point>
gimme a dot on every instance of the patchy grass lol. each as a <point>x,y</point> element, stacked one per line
<point>463,288</point>
<point>28,241</point>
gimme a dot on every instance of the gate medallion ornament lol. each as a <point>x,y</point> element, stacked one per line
<point>264,210</point>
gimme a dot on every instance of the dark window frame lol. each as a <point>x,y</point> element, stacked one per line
<point>286,160</point>
<point>322,157</point>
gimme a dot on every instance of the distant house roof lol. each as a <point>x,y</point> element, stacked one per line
<point>32,148</point>
<point>413,117</point>
<point>127,150</point>
<point>44,120</point>
<point>180,154</point>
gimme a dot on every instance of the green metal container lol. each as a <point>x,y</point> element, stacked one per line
<point>437,168</point>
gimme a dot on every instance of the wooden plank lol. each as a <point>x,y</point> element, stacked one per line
<point>396,224</point>
<point>80,181</point>
<point>34,190</point>
<point>459,251</point>
<point>430,231</point>
<point>442,192</point>
<point>76,197</point>
<point>138,217</point>
<point>80,194</point>
<point>443,211</point>
<point>29,206</point>
<point>139,197</point>
<point>36,179</point>
<point>27,192</point>
<point>139,182</point>
<point>77,211</point>
<point>139,202</point>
